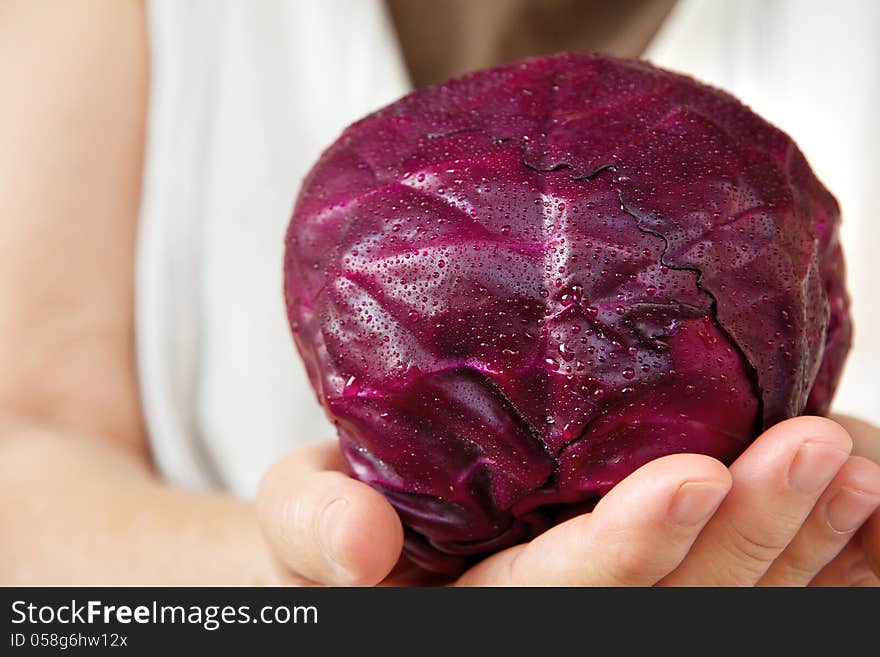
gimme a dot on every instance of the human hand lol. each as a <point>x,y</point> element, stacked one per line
<point>785,523</point>
<point>680,520</point>
<point>858,564</point>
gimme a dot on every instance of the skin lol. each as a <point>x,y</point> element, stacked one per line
<point>80,502</point>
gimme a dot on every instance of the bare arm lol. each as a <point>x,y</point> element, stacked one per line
<point>72,134</point>
<point>78,499</point>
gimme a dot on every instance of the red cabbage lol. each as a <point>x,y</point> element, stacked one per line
<point>513,289</point>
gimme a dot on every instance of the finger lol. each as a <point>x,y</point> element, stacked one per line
<point>776,483</point>
<point>852,497</point>
<point>325,526</point>
<point>871,543</point>
<point>636,534</point>
<point>849,568</point>
<point>866,437</point>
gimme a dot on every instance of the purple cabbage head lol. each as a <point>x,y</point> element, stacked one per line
<point>513,289</point>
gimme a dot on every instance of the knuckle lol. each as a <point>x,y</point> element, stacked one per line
<point>637,565</point>
<point>289,514</point>
<point>293,522</point>
<point>750,551</point>
<point>795,568</point>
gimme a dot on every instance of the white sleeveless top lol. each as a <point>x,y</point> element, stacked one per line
<point>244,97</point>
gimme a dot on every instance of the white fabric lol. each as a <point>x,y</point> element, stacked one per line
<point>244,97</point>
<point>246,94</point>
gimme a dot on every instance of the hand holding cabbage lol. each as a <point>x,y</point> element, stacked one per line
<point>513,290</point>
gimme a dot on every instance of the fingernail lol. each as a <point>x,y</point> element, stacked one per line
<point>695,501</point>
<point>328,528</point>
<point>849,509</point>
<point>814,466</point>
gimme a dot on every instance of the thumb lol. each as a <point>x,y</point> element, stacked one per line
<point>325,526</point>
